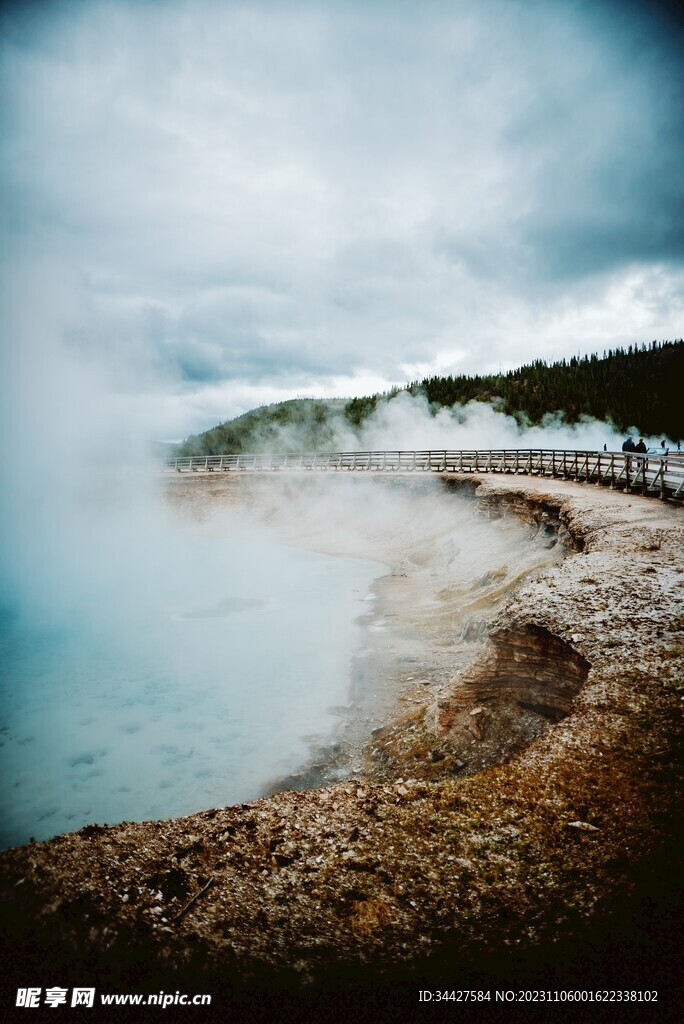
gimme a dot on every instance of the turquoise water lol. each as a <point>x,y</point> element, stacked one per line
<point>181,675</point>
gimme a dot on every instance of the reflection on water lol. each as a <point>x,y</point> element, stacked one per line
<point>217,611</point>
<point>190,686</point>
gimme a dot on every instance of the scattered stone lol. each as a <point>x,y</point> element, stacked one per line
<point>477,723</point>
<point>283,860</point>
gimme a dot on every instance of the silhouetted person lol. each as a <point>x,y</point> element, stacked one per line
<point>628,445</point>
<point>641,447</point>
<point>605,447</point>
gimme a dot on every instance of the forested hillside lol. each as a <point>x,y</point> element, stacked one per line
<point>640,387</point>
<point>301,424</point>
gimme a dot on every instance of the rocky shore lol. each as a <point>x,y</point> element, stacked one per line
<point>516,826</point>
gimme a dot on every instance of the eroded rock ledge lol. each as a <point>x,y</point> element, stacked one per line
<point>542,848</point>
<point>531,666</point>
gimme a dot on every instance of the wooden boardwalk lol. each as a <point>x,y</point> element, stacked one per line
<point>661,476</point>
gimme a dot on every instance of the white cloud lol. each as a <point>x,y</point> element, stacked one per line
<point>264,201</point>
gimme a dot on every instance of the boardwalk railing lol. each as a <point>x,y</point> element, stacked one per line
<point>659,475</point>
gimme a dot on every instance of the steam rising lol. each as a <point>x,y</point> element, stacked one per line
<point>153,668</point>
<point>407,423</point>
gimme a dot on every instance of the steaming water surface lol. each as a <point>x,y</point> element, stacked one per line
<point>205,676</point>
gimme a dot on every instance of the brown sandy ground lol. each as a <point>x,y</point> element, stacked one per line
<point>558,867</point>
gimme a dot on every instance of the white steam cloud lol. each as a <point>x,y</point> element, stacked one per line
<point>406,422</point>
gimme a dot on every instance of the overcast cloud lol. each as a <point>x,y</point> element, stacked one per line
<point>219,204</point>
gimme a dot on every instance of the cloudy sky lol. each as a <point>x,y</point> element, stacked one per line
<point>210,205</point>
